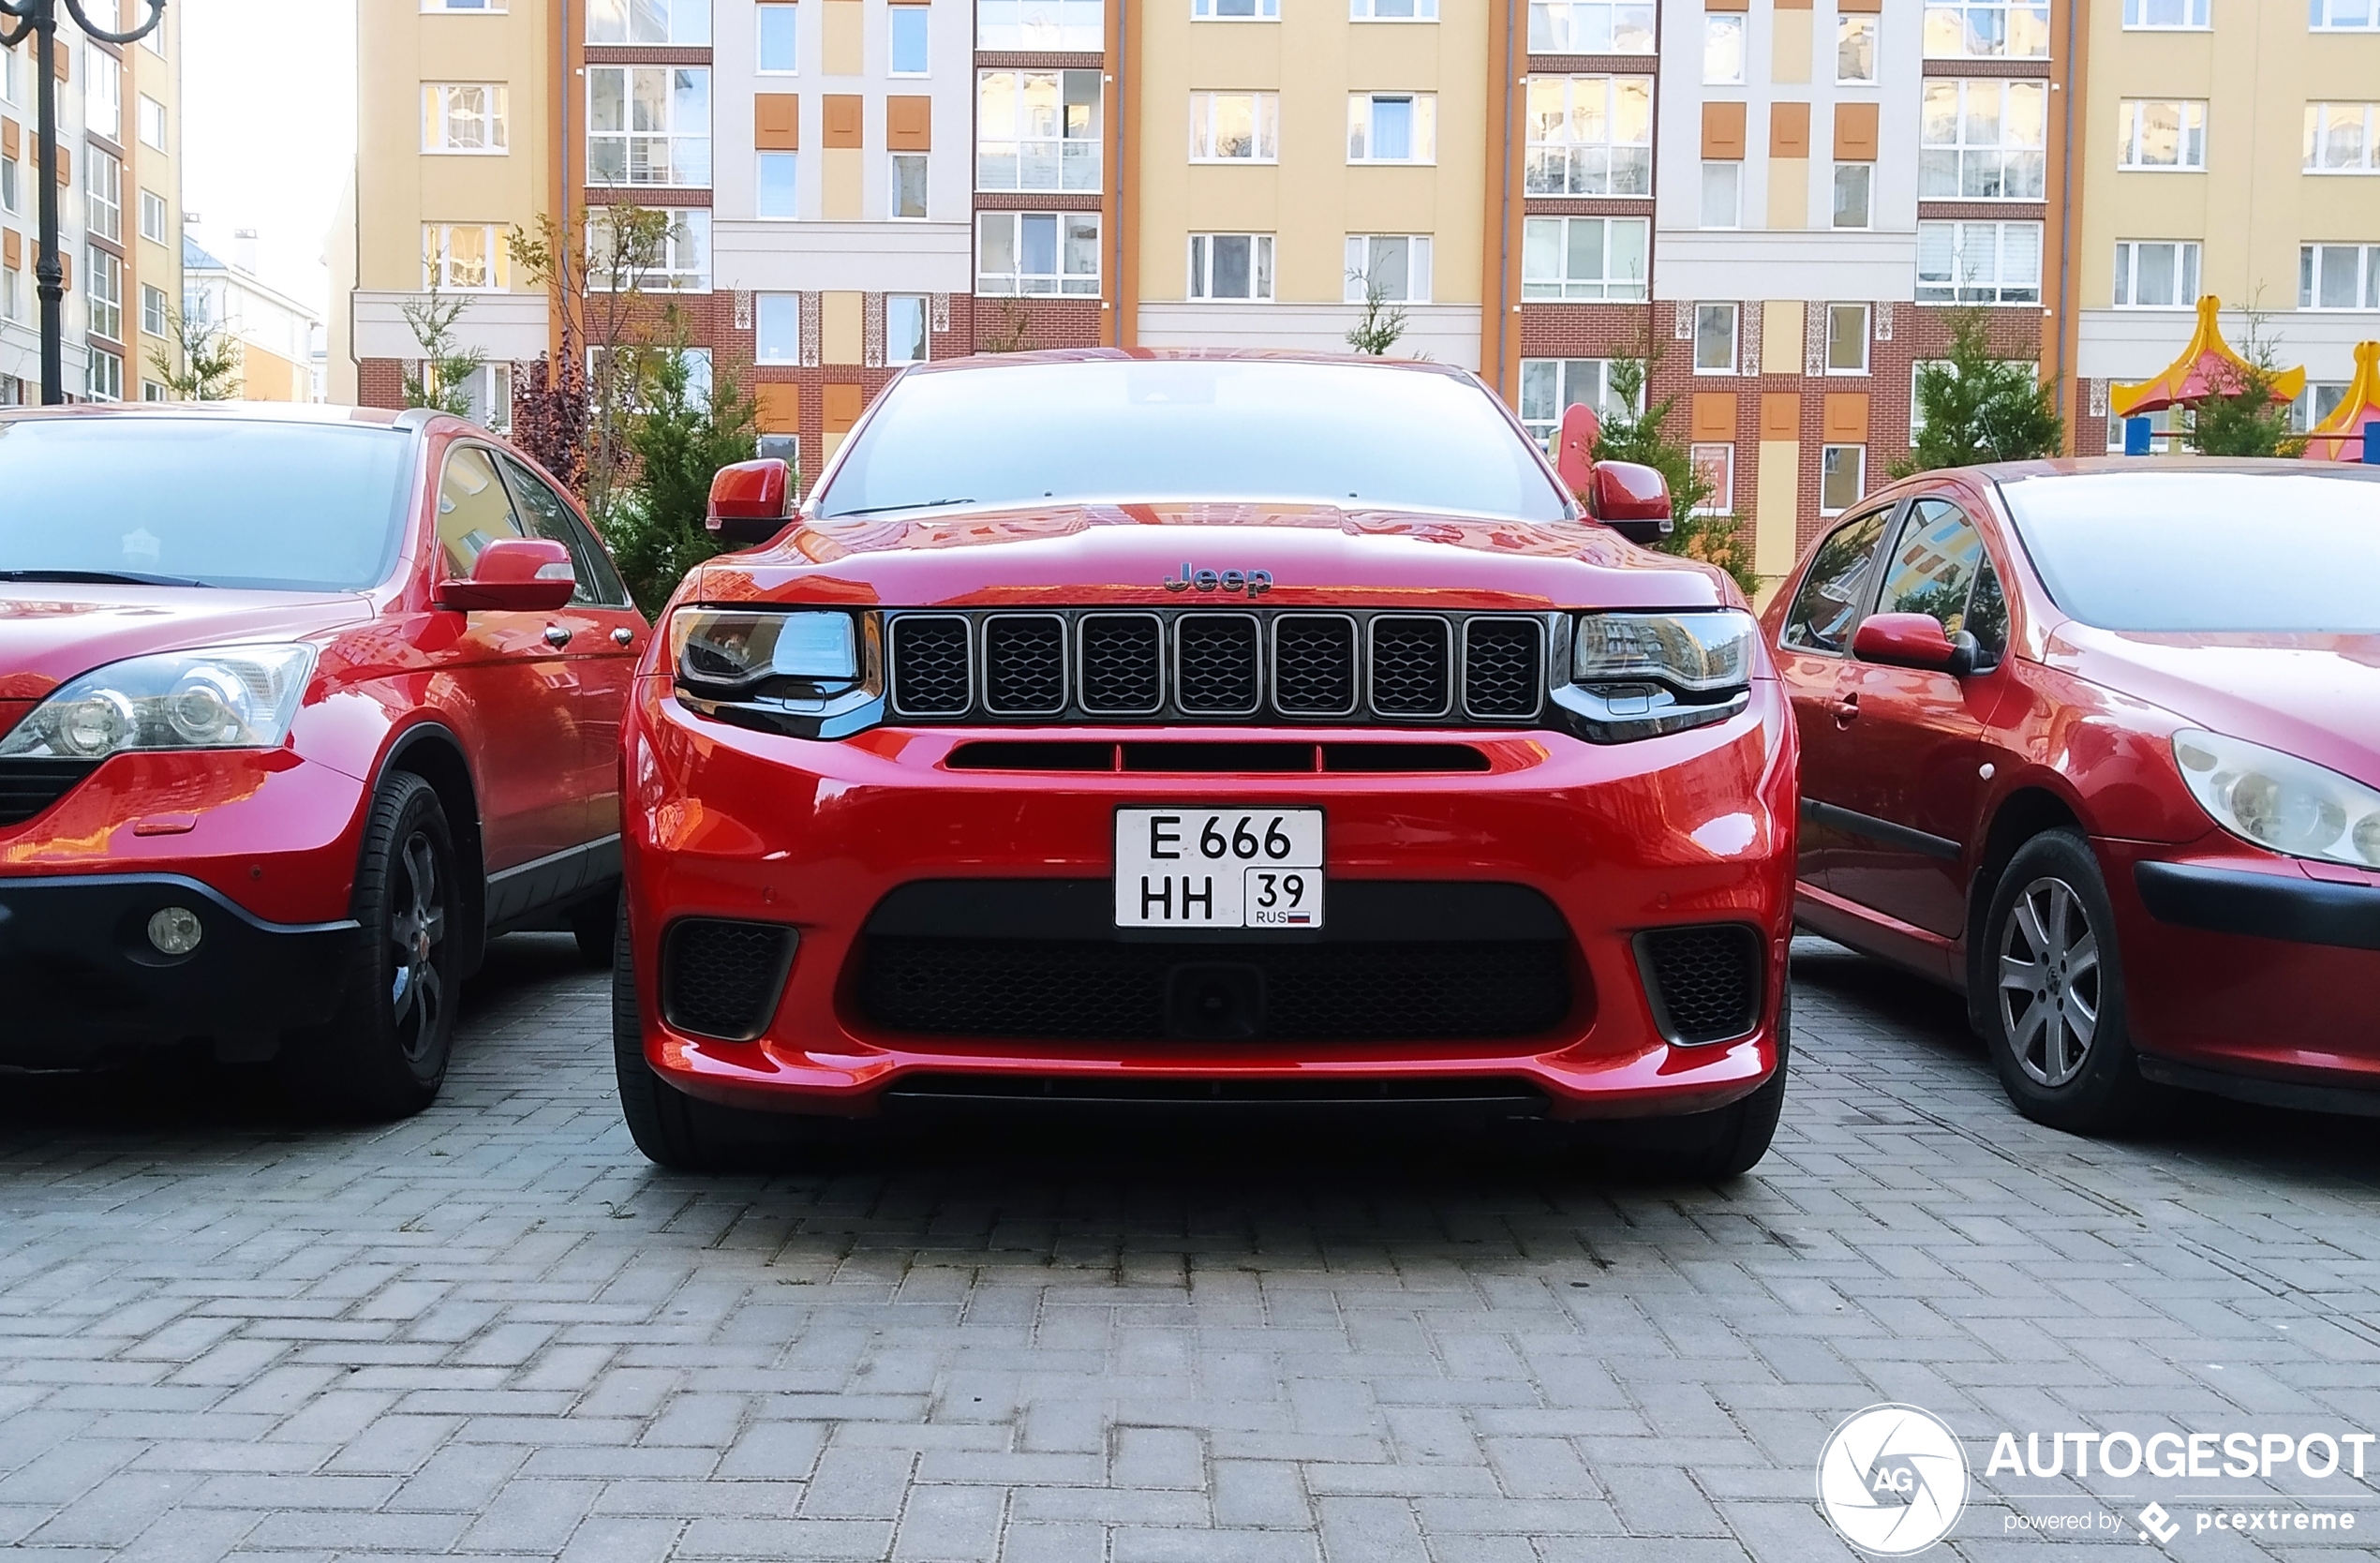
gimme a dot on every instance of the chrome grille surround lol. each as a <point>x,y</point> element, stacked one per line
<point>1024,663</point>
<point>922,648</point>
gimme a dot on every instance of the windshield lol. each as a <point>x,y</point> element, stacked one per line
<point>1223,429</point>
<point>216,501</point>
<point>2205,551</point>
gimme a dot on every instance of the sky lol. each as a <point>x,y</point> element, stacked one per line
<point>268,130</point>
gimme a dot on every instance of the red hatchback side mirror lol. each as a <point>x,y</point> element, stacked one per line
<point>750,502</point>
<point>1632,498</point>
<point>1912,640</point>
<point>513,574</point>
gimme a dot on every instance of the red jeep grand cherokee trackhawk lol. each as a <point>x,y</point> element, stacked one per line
<point>1133,725</point>
<point>296,708</point>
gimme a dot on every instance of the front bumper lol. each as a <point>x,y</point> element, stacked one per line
<point>2245,965</point>
<point>1691,828</point>
<point>85,984</point>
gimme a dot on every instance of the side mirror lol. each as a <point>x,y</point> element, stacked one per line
<point>1632,498</point>
<point>513,574</point>
<point>750,502</point>
<point>1912,640</point>
<point>1574,446</point>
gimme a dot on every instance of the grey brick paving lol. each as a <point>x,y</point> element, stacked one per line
<point>494,1332</point>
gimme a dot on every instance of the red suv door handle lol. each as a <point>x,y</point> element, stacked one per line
<point>1845,709</point>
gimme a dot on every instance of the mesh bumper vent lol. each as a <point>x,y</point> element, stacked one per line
<point>1704,981</point>
<point>722,978</point>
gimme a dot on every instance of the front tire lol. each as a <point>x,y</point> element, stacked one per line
<point>383,1053</point>
<point>2052,1004</point>
<point>1707,1147</point>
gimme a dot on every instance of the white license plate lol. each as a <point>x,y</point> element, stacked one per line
<point>1201,867</point>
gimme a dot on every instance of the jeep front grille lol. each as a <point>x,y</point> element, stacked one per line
<point>1090,665</point>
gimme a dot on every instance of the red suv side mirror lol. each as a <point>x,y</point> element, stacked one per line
<point>1632,498</point>
<point>750,502</point>
<point>513,574</point>
<point>1912,640</point>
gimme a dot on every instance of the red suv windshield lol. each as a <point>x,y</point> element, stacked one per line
<point>203,499</point>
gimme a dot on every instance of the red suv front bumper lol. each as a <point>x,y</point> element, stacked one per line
<point>1693,828</point>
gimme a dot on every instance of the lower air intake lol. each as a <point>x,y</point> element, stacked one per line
<point>29,785</point>
<point>1704,981</point>
<point>722,978</point>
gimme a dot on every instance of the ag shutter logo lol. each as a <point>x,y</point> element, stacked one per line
<point>1892,1480</point>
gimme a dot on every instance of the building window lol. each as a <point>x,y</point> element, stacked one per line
<point>1396,266</point>
<point>1723,48</point>
<point>1037,130</point>
<point>683,265</point>
<point>457,117</point>
<point>1714,464</point>
<point>1842,478</point>
<point>2174,14</point>
<point>2159,275</point>
<point>1589,27</point>
<point>153,122</point>
<point>103,293</point>
<point>103,94</point>
<point>1392,128</point>
<point>1231,266</point>
<point>1987,30</point>
<point>1722,195</point>
<point>1393,10</point>
<point>1855,194</point>
<point>1979,263</point>
<point>648,124</point>
<point>464,258</point>
<point>908,186</point>
<point>1584,257</point>
<point>8,184</point>
<point>11,294</point>
<point>8,68</point>
<point>907,40</point>
<point>1715,339</point>
<point>103,194</point>
<point>1235,11</point>
<point>2316,402</point>
<point>152,311</point>
<point>775,185</point>
<point>1982,139</point>
<point>2343,138</point>
<point>152,392</point>
<point>777,328</point>
<point>1854,48</point>
<point>1077,25</point>
<point>678,22</point>
<point>1847,338</point>
<point>1037,252</point>
<point>2338,276</point>
<point>905,339</point>
<point>1552,386</point>
<point>153,217</point>
<point>468,7</point>
<point>1590,135</point>
<point>1235,127</point>
<point>2164,134</point>
<point>780,53</point>
<point>103,377</point>
<point>2345,16</point>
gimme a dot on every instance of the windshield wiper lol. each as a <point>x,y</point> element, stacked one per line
<point>100,577</point>
<point>878,510</point>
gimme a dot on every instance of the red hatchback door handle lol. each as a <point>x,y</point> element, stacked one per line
<point>1845,709</point>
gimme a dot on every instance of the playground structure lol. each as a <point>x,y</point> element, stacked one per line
<point>2209,367</point>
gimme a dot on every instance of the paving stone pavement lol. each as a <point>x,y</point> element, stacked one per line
<point>496,1332</point>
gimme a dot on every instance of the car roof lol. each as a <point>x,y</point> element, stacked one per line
<point>1187,355</point>
<point>318,413</point>
<point>2006,472</point>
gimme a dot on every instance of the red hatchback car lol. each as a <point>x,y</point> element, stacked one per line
<point>298,707</point>
<point>1165,727</point>
<point>2098,742</point>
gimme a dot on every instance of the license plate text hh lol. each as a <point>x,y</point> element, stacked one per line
<point>1201,867</point>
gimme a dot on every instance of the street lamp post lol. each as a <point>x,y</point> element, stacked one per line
<point>39,17</point>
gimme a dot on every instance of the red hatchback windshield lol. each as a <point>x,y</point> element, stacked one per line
<point>201,500</point>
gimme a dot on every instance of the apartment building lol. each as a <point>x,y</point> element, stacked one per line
<point>2232,148</point>
<point>274,331</point>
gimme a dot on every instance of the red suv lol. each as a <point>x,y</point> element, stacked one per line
<point>297,708</point>
<point>2099,743</point>
<point>1133,726</point>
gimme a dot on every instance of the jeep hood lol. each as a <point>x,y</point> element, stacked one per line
<point>1316,554</point>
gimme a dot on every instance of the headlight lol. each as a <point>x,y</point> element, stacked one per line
<point>727,649</point>
<point>1699,653</point>
<point>2280,801</point>
<point>223,697</point>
